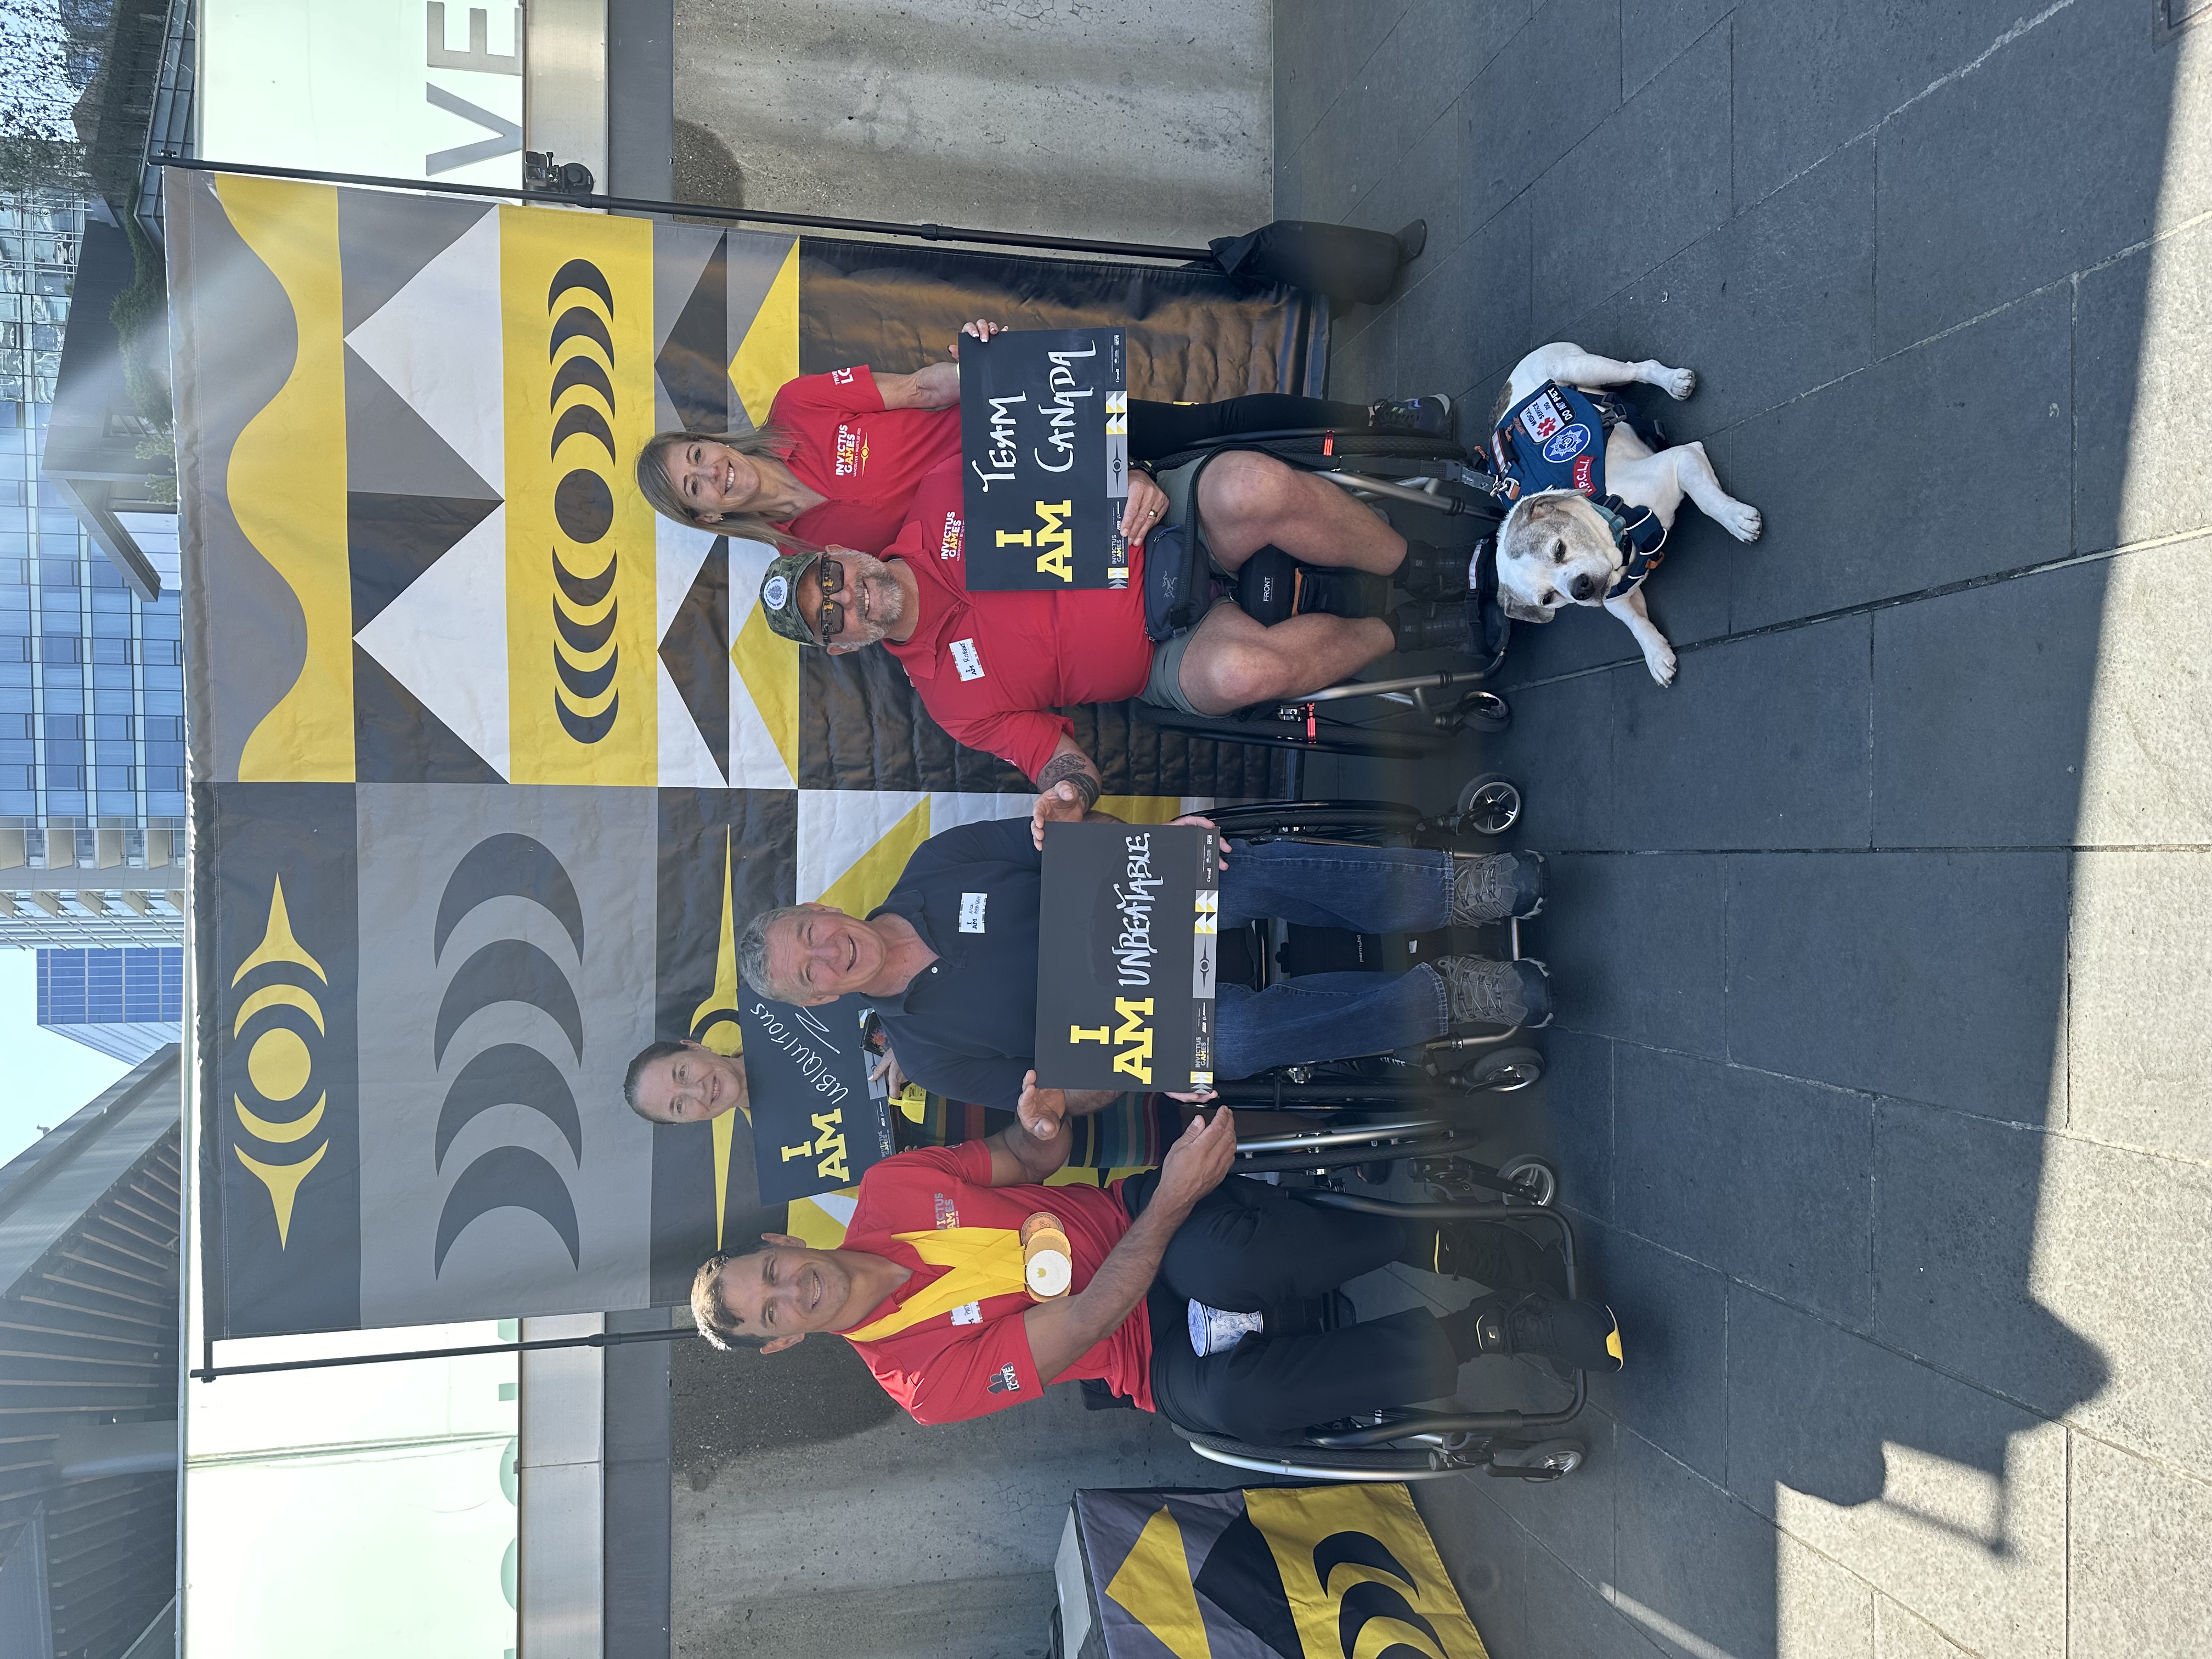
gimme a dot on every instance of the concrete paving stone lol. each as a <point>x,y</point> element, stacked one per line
<point>1672,1387</point>
<point>1983,198</point>
<point>1568,1616</point>
<point>1572,1518</point>
<point>1468,315</point>
<point>1293,185</point>
<point>1638,950</point>
<point>2142,353</point>
<point>1955,1248</point>
<point>2123,1257</point>
<point>1946,462</point>
<point>1952,1500</point>
<point>1648,182</point>
<point>1811,75</point>
<point>2147,779</point>
<point>1559,750</point>
<point>1576,1129</point>
<point>1425,186</point>
<point>1934,976</point>
<point>1899,1633</point>
<point>2141,985</point>
<point>1550,85</point>
<point>997,1616</point>
<point>2061,708</point>
<point>1415,74</point>
<point>2142,1575</point>
<point>1769,1179</point>
<point>1582,637</point>
<point>1775,302</point>
<point>1365,366</point>
<point>1699,1572</point>
<point>1320,49</point>
<point>1487,1555</point>
<point>1726,758</point>
<point>1654,32</point>
<point>1981,712</point>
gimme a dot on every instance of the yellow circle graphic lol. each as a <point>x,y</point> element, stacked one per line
<point>722,1036</point>
<point>279,1064</point>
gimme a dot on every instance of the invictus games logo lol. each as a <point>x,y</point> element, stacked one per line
<point>286,1019</point>
<point>584,655</point>
<point>508,970</point>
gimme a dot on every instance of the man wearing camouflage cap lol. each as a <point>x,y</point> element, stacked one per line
<point>993,667</point>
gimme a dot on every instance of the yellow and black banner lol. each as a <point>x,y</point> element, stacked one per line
<point>491,764</point>
<point>1266,1573</point>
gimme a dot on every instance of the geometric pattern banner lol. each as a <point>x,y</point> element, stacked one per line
<point>490,763</point>
<point>1267,1572</point>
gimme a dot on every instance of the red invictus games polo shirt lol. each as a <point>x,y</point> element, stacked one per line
<point>991,667</point>
<point>864,457</point>
<point>976,1357</point>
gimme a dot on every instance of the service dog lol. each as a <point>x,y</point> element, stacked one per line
<point>1592,502</point>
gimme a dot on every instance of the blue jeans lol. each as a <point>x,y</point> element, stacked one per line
<point>1316,1017</point>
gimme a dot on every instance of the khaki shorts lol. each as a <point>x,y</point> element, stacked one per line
<point>1164,687</point>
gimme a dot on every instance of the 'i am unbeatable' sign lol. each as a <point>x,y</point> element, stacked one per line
<point>1044,443</point>
<point>1125,956</point>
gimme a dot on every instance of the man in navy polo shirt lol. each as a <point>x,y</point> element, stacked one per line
<point>950,961</point>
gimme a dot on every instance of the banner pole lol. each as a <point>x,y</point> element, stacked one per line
<point>925,231</point>
<point>210,1371</point>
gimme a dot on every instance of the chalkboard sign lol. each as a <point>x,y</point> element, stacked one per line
<point>1125,956</point>
<point>817,1119</point>
<point>1044,442</point>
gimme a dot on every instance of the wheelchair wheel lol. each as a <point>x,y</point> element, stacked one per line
<point>1537,1181</point>
<point>1365,822</point>
<point>1485,712</point>
<point>1490,805</point>
<point>1547,1460</point>
<point>1320,1462</point>
<point>1504,1070</point>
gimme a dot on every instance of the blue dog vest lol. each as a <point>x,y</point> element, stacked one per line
<point>1554,439</point>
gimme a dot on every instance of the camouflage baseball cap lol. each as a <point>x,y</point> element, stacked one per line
<point>779,596</point>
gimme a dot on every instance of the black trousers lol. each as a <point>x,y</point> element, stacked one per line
<point>1159,429</point>
<point>1250,1248</point>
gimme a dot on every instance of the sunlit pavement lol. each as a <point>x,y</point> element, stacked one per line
<point>1880,1085</point>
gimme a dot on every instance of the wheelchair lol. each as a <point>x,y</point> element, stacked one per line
<point>1265,949</point>
<point>1418,1442</point>
<point>1395,472</point>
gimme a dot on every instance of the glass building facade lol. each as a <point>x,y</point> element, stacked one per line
<point>39,242</point>
<point>125,1003</point>
<point>92,702</point>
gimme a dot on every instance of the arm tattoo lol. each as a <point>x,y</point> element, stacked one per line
<point>1074,769</point>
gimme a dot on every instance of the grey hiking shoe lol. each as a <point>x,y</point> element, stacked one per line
<point>1485,992</point>
<point>1491,886</point>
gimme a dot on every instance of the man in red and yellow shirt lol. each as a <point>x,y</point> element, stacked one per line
<point>928,1288</point>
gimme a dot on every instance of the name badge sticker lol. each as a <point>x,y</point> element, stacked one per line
<point>968,1312</point>
<point>971,912</point>
<point>965,660</point>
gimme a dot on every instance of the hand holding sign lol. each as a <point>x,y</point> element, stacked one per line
<point>1041,1110</point>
